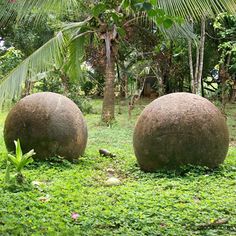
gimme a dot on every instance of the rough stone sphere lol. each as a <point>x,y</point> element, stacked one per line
<point>179,129</point>
<point>49,123</point>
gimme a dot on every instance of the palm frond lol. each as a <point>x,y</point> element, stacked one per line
<point>76,33</point>
<point>24,7</point>
<point>192,9</point>
<point>196,8</point>
<point>75,58</point>
<point>74,27</point>
<point>49,55</point>
<point>184,30</point>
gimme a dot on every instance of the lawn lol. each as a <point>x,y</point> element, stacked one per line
<point>72,198</point>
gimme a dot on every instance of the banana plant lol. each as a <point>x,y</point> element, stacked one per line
<point>19,161</point>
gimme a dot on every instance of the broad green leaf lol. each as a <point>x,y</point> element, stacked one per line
<point>20,160</point>
<point>167,23</point>
<point>29,154</point>
<point>147,6</point>
<point>139,6</point>
<point>159,20</point>
<point>121,31</point>
<point>125,3</point>
<point>75,57</point>
<point>115,17</point>
<point>18,150</point>
<point>98,9</point>
<point>152,13</point>
<point>13,160</point>
<point>24,162</point>
<point>160,12</point>
<point>154,2</point>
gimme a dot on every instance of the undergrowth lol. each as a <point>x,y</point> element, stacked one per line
<point>72,199</point>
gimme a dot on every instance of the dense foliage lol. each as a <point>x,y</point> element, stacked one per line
<point>9,60</point>
<point>119,42</point>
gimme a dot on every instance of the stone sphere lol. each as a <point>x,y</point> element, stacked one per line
<point>179,129</point>
<point>49,123</point>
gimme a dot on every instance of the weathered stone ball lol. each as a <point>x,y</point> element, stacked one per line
<point>179,129</point>
<point>49,123</point>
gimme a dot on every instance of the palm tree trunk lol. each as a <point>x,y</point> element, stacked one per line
<point>65,84</point>
<point>27,89</point>
<point>108,109</point>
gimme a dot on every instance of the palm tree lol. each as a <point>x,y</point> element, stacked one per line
<point>66,49</point>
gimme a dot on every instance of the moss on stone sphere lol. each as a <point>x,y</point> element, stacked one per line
<point>179,129</point>
<point>49,123</point>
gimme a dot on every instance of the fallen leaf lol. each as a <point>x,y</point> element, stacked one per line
<point>44,198</point>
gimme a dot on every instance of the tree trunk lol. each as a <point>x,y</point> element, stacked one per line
<point>65,84</point>
<point>233,97</point>
<point>191,66</point>
<point>196,81</point>
<point>201,56</point>
<point>123,78</point>
<point>167,69</point>
<point>108,109</point>
<point>124,86</point>
<point>202,88</point>
<point>196,69</point>
<point>223,78</point>
<point>27,89</point>
<point>190,55</point>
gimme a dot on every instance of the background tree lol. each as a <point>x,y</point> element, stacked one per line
<point>65,50</point>
<point>101,28</point>
<point>225,26</point>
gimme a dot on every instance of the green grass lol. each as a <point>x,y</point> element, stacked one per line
<point>163,203</point>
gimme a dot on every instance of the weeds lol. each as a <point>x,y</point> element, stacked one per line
<point>73,199</point>
<point>19,161</point>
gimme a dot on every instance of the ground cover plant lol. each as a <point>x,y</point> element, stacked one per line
<point>73,199</point>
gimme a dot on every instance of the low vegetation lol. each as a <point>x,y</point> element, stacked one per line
<point>73,199</point>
